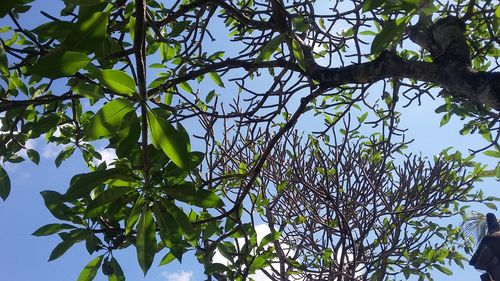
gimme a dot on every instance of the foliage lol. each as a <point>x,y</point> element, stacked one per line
<point>201,161</point>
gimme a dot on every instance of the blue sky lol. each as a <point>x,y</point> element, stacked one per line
<point>24,257</point>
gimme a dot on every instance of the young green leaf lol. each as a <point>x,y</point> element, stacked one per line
<point>59,64</point>
<point>216,78</point>
<point>166,137</point>
<point>493,153</point>
<point>390,34</point>
<point>4,184</point>
<point>300,24</point>
<point>298,54</point>
<point>107,120</point>
<point>270,47</point>
<point>443,269</point>
<point>117,81</point>
<point>90,270</point>
<point>4,63</point>
<point>186,87</point>
<point>146,240</point>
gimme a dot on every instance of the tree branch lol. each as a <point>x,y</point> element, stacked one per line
<point>475,86</point>
<point>11,104</point>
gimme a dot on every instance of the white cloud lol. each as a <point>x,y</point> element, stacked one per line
<point>108,156</point>
<point>30,144</point>
<point>50,150</point>
<point>178,276</point>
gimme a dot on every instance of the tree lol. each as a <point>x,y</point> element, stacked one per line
<point>346,197</point>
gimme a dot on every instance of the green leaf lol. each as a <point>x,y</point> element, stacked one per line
<point>443,269</point>
<point>167,52</point>
<point>63,155</point>
<point>86,3</point>
<point>54,30</point>
<point>270,47</point>
<point>167,259</point>
<point>90,270</point>
<point>90,91</point>
<point>7,5</point>
<point>69,239</point>
<point>497,12</point>
<point>33,156</point>
<point>300,24</point>
<point>170,231</point>
<point>117,81</point>
<point>216,78</point>
<point>178,28</point>
<point>186,87</point>
<point>4,63</point>
<point>146,240</point>
<point>109,195</point>
<point>369,5</point>
<point>59,64</point>
<point>4,184</point>
<point>390,34</point>
<point>60,249</point>
<point>45,124</point>
<point>128,135</point>
<point>490,205</point>
<point>269,238</point>
<point>215,268</point>
<point>82,184</point>
<point>134,215</point>
<point>181,218</point>
<point>210,96</point>
<point>298,54</point>
<point>445,119</point>
<point>362,118</point>
<point>258,262</point>
<point>107,121</point>
<point>117,271</point>
<point>54,201</point>
<point>166,137</point>
<point>199,197</point>
<point>492,153</point>
<point>88,34</point>
<point>52,228</point>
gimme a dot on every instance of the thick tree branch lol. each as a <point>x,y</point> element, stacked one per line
<point>477,87</point>
<point>11,104</point>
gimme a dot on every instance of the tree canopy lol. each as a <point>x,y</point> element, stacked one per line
<point>226,114</point>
